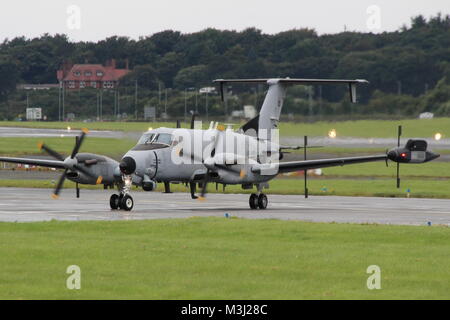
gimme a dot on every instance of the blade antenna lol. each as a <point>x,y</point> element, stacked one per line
<point>306,171</point>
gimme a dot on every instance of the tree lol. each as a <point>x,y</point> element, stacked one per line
<point>145,75</point>
<point>191,77</point>
<point>8,77</point>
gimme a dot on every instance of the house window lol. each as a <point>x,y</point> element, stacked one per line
<point>76,73</point>
<point>71,84</point>
<point>82,84</point>
<point>88,73</point>
<point>93,84</point>
<point>99,73</point>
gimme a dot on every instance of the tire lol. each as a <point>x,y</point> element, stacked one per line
<point>262,201</point>
<point>253,201</point>
<point>114,202</point>
<point>126,203</point>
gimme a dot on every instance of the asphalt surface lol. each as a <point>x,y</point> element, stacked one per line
<point>15,132</point>
<point>28,205</point>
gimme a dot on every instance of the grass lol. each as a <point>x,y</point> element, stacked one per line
<point>360,128</point>
<point>369,187</point>
<point>378,169</point>
<point>218,258</point>
<point>29,146</point>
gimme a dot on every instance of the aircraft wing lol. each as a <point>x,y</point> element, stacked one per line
<point>291,166</point>
<point>35,162</point>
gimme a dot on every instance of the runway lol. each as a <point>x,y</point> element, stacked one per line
<point>31,205</point>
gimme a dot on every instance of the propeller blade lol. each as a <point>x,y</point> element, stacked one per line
<point>50,151</point>
<point>398,175</point>
<point>399,133</point>
<point>79,142</point>
<point>204,186</point>
<point>55,194</point>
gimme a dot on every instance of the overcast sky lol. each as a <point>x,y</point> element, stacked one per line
<point>92,20</point>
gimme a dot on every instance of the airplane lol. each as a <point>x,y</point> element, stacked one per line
<point>196,156</point>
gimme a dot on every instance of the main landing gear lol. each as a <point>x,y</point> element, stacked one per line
<point>119,201</point>
<point>258,201</point>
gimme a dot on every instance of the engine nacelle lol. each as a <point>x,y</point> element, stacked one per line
<point>415,151</point>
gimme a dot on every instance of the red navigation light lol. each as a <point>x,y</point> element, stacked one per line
<point>403,155</point>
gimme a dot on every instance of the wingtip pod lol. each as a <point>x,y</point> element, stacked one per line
<point>55,196</point>
<point>40,145</point>
<point>200,198</point>
<point>85,130</point>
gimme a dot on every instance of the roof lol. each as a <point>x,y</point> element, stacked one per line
<point>97,73</point>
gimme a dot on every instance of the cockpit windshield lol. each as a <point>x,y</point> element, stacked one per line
<point>153,138</point>
<point>146,138</point>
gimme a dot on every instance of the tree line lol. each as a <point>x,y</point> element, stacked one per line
<point>408,69</point>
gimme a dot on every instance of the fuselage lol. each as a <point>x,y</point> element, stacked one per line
<point>184,155</point>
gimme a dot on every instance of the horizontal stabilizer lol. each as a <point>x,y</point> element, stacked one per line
<point>292,81</point>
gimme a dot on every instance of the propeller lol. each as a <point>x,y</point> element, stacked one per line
<point>70,163</point>
<point>399,133</point>
<point>207,177</point>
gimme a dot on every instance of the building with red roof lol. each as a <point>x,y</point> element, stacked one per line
<point>80,76</point>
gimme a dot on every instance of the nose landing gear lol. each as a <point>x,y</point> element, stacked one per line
<point>122,200</point>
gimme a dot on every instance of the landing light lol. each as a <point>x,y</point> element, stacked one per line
<point>332,133</point>
<point>438,136</point>
<point>150,128</point>
<point>69,128</point>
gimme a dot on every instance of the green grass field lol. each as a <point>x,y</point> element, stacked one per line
<point>369,187</point>
<point>219,258</point>
<point>360,128</point>
<point>29,146</point>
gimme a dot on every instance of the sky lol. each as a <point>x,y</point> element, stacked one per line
<point>89,20</point>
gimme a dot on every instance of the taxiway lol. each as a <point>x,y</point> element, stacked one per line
<point>27,205</point>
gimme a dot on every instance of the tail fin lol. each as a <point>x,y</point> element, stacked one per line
<point>269,114</point>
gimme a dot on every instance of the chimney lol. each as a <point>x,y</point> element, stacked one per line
<point>113,63</point>
<point>127,64</point>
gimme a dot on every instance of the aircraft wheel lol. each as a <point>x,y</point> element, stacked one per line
<point>253,201</point>
<point>114,202</point>
<point>126,203</point>
<point>262,201</point>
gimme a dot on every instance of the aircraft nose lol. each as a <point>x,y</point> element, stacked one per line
<point>127,165</point>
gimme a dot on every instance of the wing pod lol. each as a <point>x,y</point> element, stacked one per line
<point>415,151</point>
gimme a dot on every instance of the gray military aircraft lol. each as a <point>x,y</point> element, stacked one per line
<point>249,157</point>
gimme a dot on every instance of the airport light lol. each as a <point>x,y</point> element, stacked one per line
<point>332,133</point>
<point>68,129</point>
<point>438,136</point>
